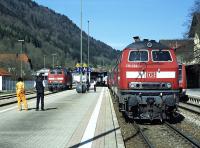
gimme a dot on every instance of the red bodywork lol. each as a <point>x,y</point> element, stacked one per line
<point>147,71</point>
<point>59,79</point>
<point>182,77</point>
<point>182,83</point>
<point>146,81</point>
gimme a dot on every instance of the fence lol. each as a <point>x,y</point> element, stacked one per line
<point>10,85</point>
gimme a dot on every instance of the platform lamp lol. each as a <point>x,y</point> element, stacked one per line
<point>80,88</point>
<point>88,50</point>
<point>44,65</point>
<point>22,41</point>
<point>54,54</point>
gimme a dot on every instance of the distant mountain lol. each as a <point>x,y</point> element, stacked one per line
<point>46,32</point>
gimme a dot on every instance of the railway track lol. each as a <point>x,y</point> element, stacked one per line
<point>184,135</point>
<point>145,138</point>
<point>156,134</point>
<point>165,135</point>
<point>11,98</point>
<point>191,107</point>
<point>8,96</point>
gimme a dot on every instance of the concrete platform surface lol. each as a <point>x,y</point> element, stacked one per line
<point>69,120</point>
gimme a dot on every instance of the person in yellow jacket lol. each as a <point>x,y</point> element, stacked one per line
<point>20,91</point>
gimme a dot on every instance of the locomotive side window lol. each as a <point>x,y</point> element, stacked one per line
<point>138,56</point>
<point>160,55</point>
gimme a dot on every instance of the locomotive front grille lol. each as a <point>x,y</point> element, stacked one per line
<point>149,85</point>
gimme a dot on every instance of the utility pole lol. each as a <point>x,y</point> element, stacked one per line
<point>44,61</point>
<point>21,55</point>
<point>88,49</point>
<point>54,54</point>
<point>81,49</point>
<point>88,44</point>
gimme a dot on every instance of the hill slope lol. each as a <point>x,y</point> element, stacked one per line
<point>46,32</point>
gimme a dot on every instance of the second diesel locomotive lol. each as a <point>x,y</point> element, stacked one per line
<point>146,80</point>
<point>59,79</point>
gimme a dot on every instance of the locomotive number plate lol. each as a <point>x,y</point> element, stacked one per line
<point>151,74</point>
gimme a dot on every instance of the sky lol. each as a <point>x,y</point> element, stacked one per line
<point>115,22</point>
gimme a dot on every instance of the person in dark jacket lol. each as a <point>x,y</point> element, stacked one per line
<point>39,85</point>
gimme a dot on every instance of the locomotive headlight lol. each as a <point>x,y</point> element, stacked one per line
<point>169,85</point>
<point>59,78</point>
<point>131,85</point>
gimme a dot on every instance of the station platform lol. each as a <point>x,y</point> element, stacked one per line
<point>193,92</point>
<point>70,120</point>
<point>102,129</point>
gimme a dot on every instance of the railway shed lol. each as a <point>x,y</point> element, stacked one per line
<point>4,75</point>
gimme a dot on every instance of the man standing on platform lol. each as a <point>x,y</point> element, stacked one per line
<point>39,85</point>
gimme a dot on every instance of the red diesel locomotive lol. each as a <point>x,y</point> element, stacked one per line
<point>59,79</point>
<point>146,80</point>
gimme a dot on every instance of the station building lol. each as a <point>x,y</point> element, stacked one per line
<point>4,76</point>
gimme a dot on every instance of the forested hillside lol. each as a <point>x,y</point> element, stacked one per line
<point>46,32</point>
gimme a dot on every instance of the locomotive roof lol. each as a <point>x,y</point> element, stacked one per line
<point>58,68</point>
<point>147,44</point>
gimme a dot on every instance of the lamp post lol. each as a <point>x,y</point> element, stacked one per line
<point>44,61</point>
<point>21,55</point>
<point>81,48</point>
<point>44,66</point>
<point>54,54</point>
<point>80,88</point>
<point>88,50</point>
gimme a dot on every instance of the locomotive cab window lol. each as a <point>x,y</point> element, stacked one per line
<point>52,71</point>
<point>160,55</point>
<point>56,71</point>
<point>138,56</point>
<point>59,71</point>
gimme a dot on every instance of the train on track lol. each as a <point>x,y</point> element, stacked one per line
<point>59,79</point>
<point>147,80</point>
<point>100,77</point>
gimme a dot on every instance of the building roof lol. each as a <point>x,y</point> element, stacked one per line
<point>3,72</point>
<point>18,57</point>
<point>195,25</point>
<point>179,44</point>
<point>183,48</point>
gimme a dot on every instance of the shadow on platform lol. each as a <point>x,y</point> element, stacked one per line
<point>46,109</point>
<point>96,137</point>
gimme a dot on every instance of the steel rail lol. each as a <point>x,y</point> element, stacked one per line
<point>192,104</point>
<point>189,109</point>
<point>192,141</point>
<point>150,145</point>
<point>28,98</point>
<point>8,96</point>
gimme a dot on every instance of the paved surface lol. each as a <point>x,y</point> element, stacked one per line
<point>70,120</point>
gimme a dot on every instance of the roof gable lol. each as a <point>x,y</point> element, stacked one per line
<point>195,25</point>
